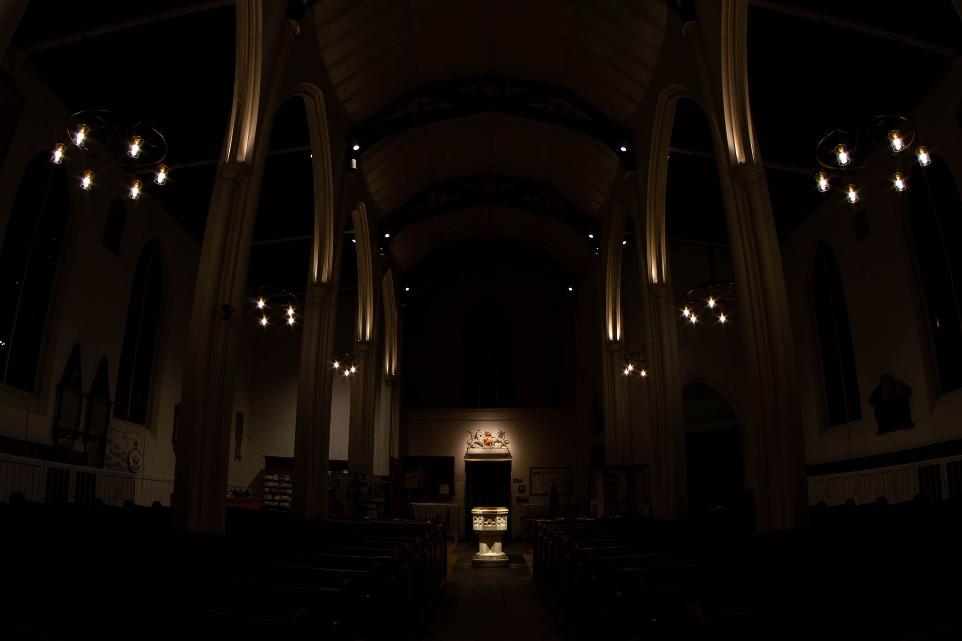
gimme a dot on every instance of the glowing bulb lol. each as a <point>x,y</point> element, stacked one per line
<point>346,373</point>
<point>898,180</point>
<point>624,242</point>
<point>135,147</point>
<point>623,148</point>
<point>59,150</point>
<point>356,147</point>
<point>263,320</point>
<point>407,289</point>
<point>851,194</point>
<point>290,321</point>
<point>353,369</point>
<point>87,181</point>
<point>80,136</point>
<point>290,310</point>
<point>711,303</point>
<point>354,240</point>
<point>261,303</point>
<point>387,235</point>
<point>161,176</point>
<point>923,155</point>
<point>842,156</point>
<point>591,236</point>
<point>722,318</point>
<point>571,289</point>
<point>630,367</point>
<point>336,365</point>
<point>895,137</point>
<point>135,189</point>
<point>686,312</point>
<point>821,181</point>
<point>643,373</point>
<point>692,319</point>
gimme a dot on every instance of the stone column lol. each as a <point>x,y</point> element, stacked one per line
<point>666,422</point>
<point>360,447</point>
<point>312,433</point>
<point>203,430</point>
<point>774,447</point>
<point>617,438</point>
<point>10,13</point>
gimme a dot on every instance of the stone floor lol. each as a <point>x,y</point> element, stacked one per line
<point>491,605</point>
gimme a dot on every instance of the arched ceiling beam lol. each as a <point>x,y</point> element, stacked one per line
<point>488,189</point>
<point>483,94</point>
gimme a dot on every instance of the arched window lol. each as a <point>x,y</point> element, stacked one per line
<point>839,376</point>
<point>935,216</point>
<point>98,415</point>
<point>28,266</point>
<point>140,339</point>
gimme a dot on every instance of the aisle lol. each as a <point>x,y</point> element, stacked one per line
<point>486,605</point>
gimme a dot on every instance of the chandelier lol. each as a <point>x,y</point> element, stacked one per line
<point>711,302</point>
<point>274,307</point>
<point>636,364</point>
<point>880,140</point>
<point>344,363</point>
<point>104,135</point>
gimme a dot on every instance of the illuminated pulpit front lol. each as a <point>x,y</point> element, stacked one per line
<point>489,523</point>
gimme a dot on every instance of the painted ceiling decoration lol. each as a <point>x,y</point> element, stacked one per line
<point>488,189</point>
<point>509,96</point>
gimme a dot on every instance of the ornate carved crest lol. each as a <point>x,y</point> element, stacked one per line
<point>481,439</point>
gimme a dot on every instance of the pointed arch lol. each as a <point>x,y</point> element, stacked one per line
<point>98,415</point>
<point>365,274</point>
<point>322,256</point>
<point>390,324</point>
<point>935,220</point>
<point>740,132</point>
<point>657,187</point>
<point>835,348</point>
<point>67,416</point>
<point>247,82</point>
<point>28,268</point>
<point>138,354</point>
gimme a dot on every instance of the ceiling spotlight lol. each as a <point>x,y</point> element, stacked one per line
<point>821,181</point>
<point>59,150</point>
<point>895,137</point>
<point>624,242</point>
<point>711,302</point>
<point>88,180</point>
<point>842,155</point>
<point>923,155</point>
<point>851,194</point>
<point>135,147</point>
<point>356,146</point>
<point>80,135</point>
<point>407,289</point>
<point>571,289</point>
<point>623,148</point>
<point>722,318</point>
<point>261,303</point>
<point>898,181</point>
<point>135,188</point>
<point>591,236</point>
<point>263,320</point>
<point>387,235</point>
<point>354,240</point>
<point>161,177</point>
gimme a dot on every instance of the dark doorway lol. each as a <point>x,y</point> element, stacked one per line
<point>713,444</point>
<point>486,484</point>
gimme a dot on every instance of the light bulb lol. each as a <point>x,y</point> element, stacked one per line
<point>643,373</point>
<point>898,181</point>
<point>686,312</point>
<point>290,321</point>
<point>407,289</point>
<point>346,373</point>
<point>161,176</point>
<point>88,180</point>
<point>571,289</point>
<point>630,367</point>
<point>711,303</point>
<point>354,240</point>
<point>626,372</point>
<point>923,155</point>
<point>135,188</point>
<point>290,310</point>
<point>353,369</point>
<point>692,319</point>
<point>336,365</point>
<point>356,147</point>
<point>591,236</point>
<point>387,235</point>
<point>722,318</point>
<point>895,137</point>
<point>263,320</point>
<point>624,242</point>
<point>261,303</point>
<point>59,150</point>
<point>842,156</point>
<point>851,194</point>
<point>623,148</point>
<point>135,147</point>
<point>80,136</point>
<point>821,181</point>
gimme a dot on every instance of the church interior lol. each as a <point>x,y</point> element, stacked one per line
<point>455,320</point>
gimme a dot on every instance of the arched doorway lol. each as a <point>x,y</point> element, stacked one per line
<point>713,446</point>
